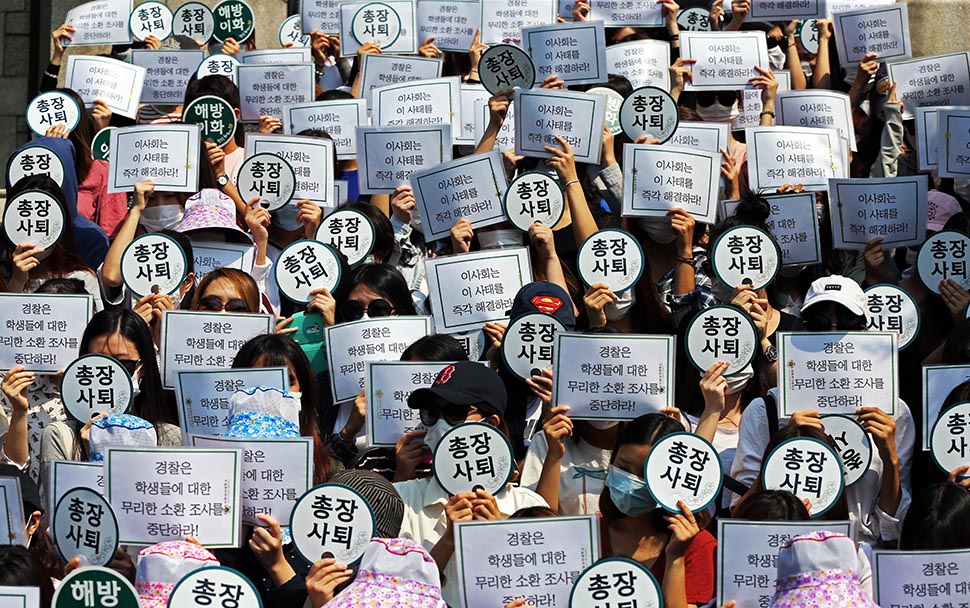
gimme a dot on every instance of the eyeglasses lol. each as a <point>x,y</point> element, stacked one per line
<point>844,322</point>
<point>352,310</point>
<point>725,98</point>
<point>130,365</point>
<point>452,413</point>
<point>214,303</point>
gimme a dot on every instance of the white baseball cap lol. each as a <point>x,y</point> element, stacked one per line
<point>838,289</point>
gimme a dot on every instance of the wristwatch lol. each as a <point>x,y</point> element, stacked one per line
<point>771,353</point>
<point>222,180</point>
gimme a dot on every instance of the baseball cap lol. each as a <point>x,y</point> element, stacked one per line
<point>464,383</point>
<point>838,289</point>
<point>544,297</point>
<point>29,492</point>
<point>940,207</point>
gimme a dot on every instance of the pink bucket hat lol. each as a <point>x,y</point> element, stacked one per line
<point>939,208</point>
<point>393,573</point>
<point>163,565</point>
<point>210,209</point>
<point>812,573</point>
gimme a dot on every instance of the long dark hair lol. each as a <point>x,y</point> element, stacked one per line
<point>384,280</point>
<point>81,136</point>
<point>772,505</point>
<point>436,347</point>
<point>936,519</point>
<point>65,257</point>
<point>153,403</point>
<point>19,568</point>
<point>278,350</point>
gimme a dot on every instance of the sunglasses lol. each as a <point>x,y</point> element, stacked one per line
<point>352,310</point>
<point>773,42</point>
<point>452,413</point>
<point>213,303</point>
<point>130,365</point>
<point>725,98</point>
<point>822,322</point>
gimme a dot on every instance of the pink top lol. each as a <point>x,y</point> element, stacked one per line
<point>94,202</point>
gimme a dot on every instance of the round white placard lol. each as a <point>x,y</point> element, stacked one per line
<point>350,232</point>
<point>890,308</point>
<point>215,586</point>
<point>650,112</point>
<point>610,256</point>
<point>35,160</point>
<point>34,217</point>
<point>745,255</point>
<point>472,455</point>
<point>332,518</point>
<point>721,333</point>
<point>50,109</point>
<point>950,439</point>
<point>268,177</point>
<point>944,256</point>
<point>529,342</point>
<point>853,444</point>
<point>505,66</point>
<point>533,197</point>
<point>683,466</point>
<point>96,384</point>
<point>304,266</point>
<point>615,581</point>
<point>151,18</point>
<point>378,23</point>
<point>195,20</point>
<point>153,263</point>
<point>85,526</point>
<point>809,469</point>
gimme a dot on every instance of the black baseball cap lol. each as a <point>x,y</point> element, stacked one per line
<point>29,494</point>
<point>464,383</point>
<point>544,297</point>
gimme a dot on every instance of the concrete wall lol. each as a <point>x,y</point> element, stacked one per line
<point>15,49</point>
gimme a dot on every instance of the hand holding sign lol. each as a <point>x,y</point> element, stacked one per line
<point>33,217</point>
<point>96,384</point>
<point>85,526</point>
<point>305,266</point>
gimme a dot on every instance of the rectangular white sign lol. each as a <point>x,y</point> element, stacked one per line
<point>706,136</point>
<point>193,340</point>
<point>471,289</point>
<point>208,256</point>
<point>296,54</point>
<point>725,60</point>
<point>166,154</point>
<point>785,10</point>
<point>505,140</point>
<point>65,475</point>
<point>938,381</point>
<point>265,88</point>
<point>339,118</point>
<point>163,494</point>
<point>538,559</point>
<point>880,30</point>
<point>389,384</point>
<point>543,114</point>
<point>320,15</point>
<point>794,155</point>
<point>116,83</point>
<point>452,24</point>
<point>42,332</point>
<point>19,597</point>
<point>167,73</point>
<point>953,143</point>
<point>940,80</point>
<point>837,372</point>
<point>627,13</point>
<point>378,71</point>
<point>387,156</point>
<point>793,221</point>
<point>817,109</point>
<point>351,345</point>
<point>659,179</point>
<point>473,98</point>
<point>865,208</point>
<point>643,62</point>
<point>419,104</point>
<point>12,516</point>
<point>908,578</point>
<point>275,473</point>
<point>469,188</point>
<point>576,52</point>
<point>751,105</point>
<point>502,21</point>
<point>203,396</point>
<point>613,376</point>
<point>310,157</point>
<point>100,22</point>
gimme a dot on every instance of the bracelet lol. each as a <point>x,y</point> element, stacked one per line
<point>768,112</point>
<point>570,183</point>
<point>683,260</point>
<point>675,37</point>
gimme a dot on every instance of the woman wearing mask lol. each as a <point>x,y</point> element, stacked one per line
<point>678,552</point>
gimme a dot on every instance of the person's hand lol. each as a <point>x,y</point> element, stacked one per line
<point>683,528</point>
<point>152,43</point>
<point>143,190</point>
<point>461,236</point>
<point>258,220</point>
<point>793,188</point>
<point>673,412</point>
<point>519,603</point>
<point>484,506</point>
<point>758,311</point>
<point>100,115</point>
<point>24,260</point>
<point>553,82</point>
<point>476,49</point>
<point>324,303</point>
<point>230,46</point>
<point>160,303</point>
<point>955,297</point>
<point>765,80</point>
<point>716,15</point>
<point>459,508</point>
<point>495,331</point>
<point>608,156</point>
<point>266,544</point>
<point>15,385</point>
<point>403,204</point>
<point>541,386</point>
<point>368,48</point>
<point>217,157</point>
<point>557,427</point>
<point>320,46</point>
<point>874,257</point>
<point>543,240</point>
<point>959,476</point>
<point>429,49</point>
<point>882,427</point>
<point>58,38</point>
<point>730,171</point>
<point>310,215</point>
<point>270,124</point>
<point>806,418</point>
<point>85,431</point>
<point>563,161</point>
<point>868,66</point>
<point>323,579</point>
<point>59,131</point>
<point>714,386</point>
<point>581,10</point>
<point>408,453</point>
<point>498,108</point>
<point>283,326</point>
<point>597,298</point>
<point>680,74</point>
<point>739,10</point>
<point>144,309</point>
<point>670,11</point>
<point>682,223</point>
<point>825,30</point>
<point>893,99</point>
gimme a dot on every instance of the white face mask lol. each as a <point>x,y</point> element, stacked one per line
<point>499,238</point>
<point>962,188</point>
<point>161,217</point>
<point>136,383</point>
<point>658,230</point>
<point>296,394</point>
<point>602,425</point>
<point>807,68</point>
<point>434,434</point>
<point>737,382</point>
<point>776,57</point>
<point>717,112</point>
<point>911,256</point>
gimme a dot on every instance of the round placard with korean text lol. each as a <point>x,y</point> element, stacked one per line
<point>350,232</point>
<point>809,469</point>
<point>233,19</point>
<point>151,18</point>
<point>651,112</point>
<point>503,67</point>
<point>890,308</point>
<point>471,455</point>
<point>853,444</point>
<point>610,256</point>
<point>195,20</point>
<point>721,333</point>
<point>304,266</point>
<point>34,217</point>
<point>616,581</point>
<point>268,177</point>
<point>50,109</point>
<point>216,586</point>
<point>95,587</point>
<point>683,467</point>
<point>154,263</point>
<point>533,197</point>
<point>96,384</point>
<point>944,256</point>
<point>529,342</point>
<point>332,518</point>
<point>378,23</point>
<point>85,526</point>
<point>35,160</point>
<point>745,255</point>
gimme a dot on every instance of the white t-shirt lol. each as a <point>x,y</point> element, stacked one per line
<point>581,478</point>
